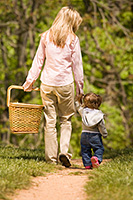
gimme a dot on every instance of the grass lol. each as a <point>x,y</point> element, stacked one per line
<point>17,166</point>
<point>114,179</point>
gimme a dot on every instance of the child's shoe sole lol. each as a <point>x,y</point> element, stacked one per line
<point>94,161</point>
<point>64,160</point>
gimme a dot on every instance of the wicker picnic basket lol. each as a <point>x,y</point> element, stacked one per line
<point>23,118</point>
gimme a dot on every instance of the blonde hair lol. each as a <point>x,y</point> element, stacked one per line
<point>66,22</point>
<point>92,100</point>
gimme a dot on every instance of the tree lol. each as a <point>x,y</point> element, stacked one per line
<point>106,43</point>
<point>107,48</point>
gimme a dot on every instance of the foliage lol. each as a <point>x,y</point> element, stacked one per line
<point>75,138</point>
<point>106,43</point>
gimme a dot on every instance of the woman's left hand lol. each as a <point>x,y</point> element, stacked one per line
<point>79,98</point>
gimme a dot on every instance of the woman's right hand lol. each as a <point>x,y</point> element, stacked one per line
<point>27,86</point>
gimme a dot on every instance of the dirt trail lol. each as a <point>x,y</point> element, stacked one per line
<point>66,184</point>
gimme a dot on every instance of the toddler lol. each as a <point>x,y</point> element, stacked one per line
<point>93,127</point>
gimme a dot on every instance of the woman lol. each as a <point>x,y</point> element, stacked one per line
<point>60,46</point>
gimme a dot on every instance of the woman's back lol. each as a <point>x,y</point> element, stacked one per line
<point>58,64</point>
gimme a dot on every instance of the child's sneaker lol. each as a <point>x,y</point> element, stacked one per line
<point>88,167</point>
<point>94,161</point>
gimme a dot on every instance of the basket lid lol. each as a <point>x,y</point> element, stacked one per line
<point>26,105</point>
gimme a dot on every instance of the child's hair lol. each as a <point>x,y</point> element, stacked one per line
<point>66,22</point>
<point>92,100</point>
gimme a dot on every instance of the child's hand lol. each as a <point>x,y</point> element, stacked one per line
<point>79,98</point>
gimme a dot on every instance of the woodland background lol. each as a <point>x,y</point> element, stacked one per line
<point>106,38</point>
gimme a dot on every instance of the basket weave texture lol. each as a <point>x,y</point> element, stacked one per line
<point>24,118</point>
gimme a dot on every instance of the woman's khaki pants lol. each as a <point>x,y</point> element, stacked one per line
<point>58,101</point>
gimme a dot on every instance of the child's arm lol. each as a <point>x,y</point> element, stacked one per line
<point>102,128</point>
<point>79,108</point>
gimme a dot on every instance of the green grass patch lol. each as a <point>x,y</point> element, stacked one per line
<point>17,166</point>
<point>114,179</point>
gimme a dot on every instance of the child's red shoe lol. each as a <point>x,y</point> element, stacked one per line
<point>94,161</point>
<point>87,167</point>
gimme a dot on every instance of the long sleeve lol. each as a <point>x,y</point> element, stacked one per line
<point>37,64</point>
<point>77,67</point>
<point>102,129</point>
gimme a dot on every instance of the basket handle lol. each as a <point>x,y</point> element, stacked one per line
<point>16,87</point>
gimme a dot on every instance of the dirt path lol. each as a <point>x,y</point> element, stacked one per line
<point>66,184</point>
